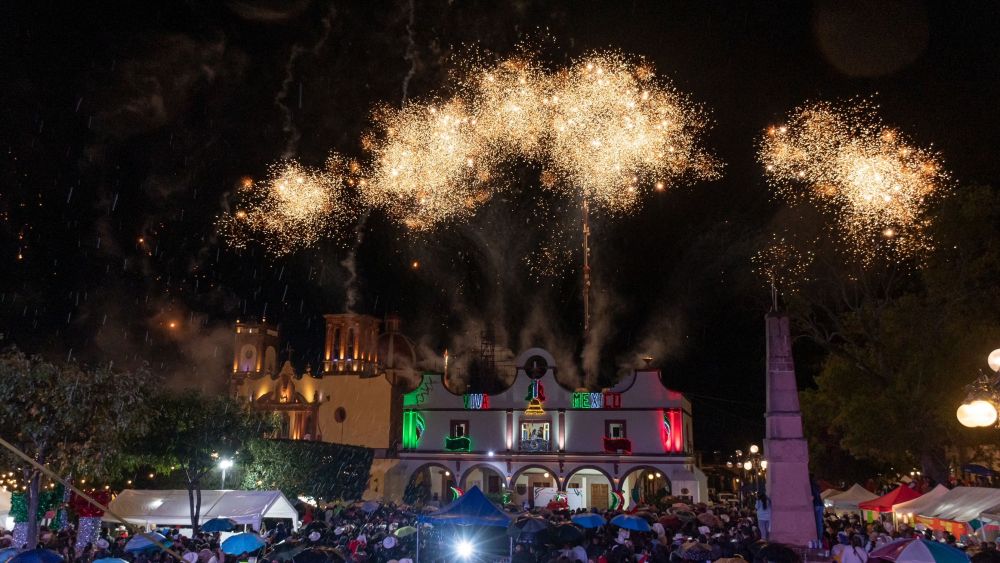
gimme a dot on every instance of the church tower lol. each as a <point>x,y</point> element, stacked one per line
<point>255,351</point>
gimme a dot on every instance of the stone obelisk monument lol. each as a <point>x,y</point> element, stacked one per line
<point>793,520</point>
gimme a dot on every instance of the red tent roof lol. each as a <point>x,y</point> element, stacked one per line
<point>884,503</point>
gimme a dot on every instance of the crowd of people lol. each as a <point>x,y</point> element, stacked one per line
<point>386,533</point>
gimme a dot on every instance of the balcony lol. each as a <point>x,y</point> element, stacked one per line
<point>617,445</point>
<point>458,444</point>
<point>535,445</point>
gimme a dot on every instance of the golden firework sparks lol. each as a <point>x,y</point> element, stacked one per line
<point>293,209</point>
<point>844,159</point>
<point>604,128</point>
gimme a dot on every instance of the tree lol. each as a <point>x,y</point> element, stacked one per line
<point>902,341</point>
<point>316,469</point>
<point>190,432</point>
<point>72,419</point>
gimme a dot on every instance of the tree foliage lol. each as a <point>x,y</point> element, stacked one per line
<point>902,340</point>
<point>190,432</point>
<point>316,469</point>
<point>73,419</point>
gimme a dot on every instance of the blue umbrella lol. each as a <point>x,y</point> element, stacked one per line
<point>589,520</point>
<point>370,506</point>
<point>630,522</point>
<point>6,554</point>
<point>242,543</point>
<point>219,525</point>
<point>110,560</point>
<point>37,556</point>
<point>145,541</point>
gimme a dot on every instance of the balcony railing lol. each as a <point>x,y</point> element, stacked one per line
<point>617,445</point>
<point>536,445</point>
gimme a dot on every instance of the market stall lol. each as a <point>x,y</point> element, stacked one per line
<point>149,508</point>
<point>849,500</point>
<point>875,508</point>
<point>905,511</point>
<point>958,510</point>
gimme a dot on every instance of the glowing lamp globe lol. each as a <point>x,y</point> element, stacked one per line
<point>984,413</point>
<point>994,360</point>
<point>748,466</point>
<point>965,416</point>
<point>754,449</point>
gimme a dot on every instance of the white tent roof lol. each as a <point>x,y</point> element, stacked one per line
<point>829,493</point>
<point>4,502</point>
<point>963,504</point>
<point>172,508</point>
<point>922,503</point>
<point>849,499</point>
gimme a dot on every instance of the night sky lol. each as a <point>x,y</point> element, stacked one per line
<point>125,127</point>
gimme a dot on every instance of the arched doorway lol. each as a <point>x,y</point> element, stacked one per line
<point>644,484</point>
<point>589,486</point>
<point>534,485</point>
<point>488,478</point>
<point>428,483</point>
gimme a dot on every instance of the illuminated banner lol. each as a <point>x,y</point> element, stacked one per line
<point>477,401</point>
<point>606,400</point>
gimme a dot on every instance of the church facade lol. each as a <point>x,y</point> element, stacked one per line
<point>532,443</point>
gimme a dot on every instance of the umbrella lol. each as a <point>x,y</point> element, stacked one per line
<point>370,506</point>
<point>316,524</point>
<point>684,515</point>
<point>526,527</point>
<point>589,520</point>
<point>776,552</point>
<point>566,534</point>
<point>242,543</point>
<point>708,519</point>
<point>630,522</point>
<point>219,525</point>
<point>696,551</point>
<point>109,560</point>
<point>146,541</point>
<point>37,556</point>
<point>318,555</point>
<point>916,550</point>
<point>405,531</point>
<point>286,550</point>
<point>672,522</point>
<point>6,554</point>
<point>645,515</point>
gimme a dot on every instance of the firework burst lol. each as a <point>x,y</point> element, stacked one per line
<point>615,131</point>
<point>430,164</point>
<point>293,209</point>
<point>844,159</point>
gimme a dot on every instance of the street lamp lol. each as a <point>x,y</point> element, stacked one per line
<point>982,397</point>
<point>224,464</point>
<point>754,449</point>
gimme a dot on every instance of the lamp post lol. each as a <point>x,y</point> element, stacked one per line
<point>982,399</point>
<point>754,465</point>
<point>224,464</point>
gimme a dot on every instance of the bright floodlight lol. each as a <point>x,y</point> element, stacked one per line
<point>225,463</point>
<point>464,549</point>
<point>748,466</point>
<point>754,449</point>
<point>994,360</point>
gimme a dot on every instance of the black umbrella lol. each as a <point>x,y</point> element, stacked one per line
<point>286,550</point>
<point>526,527</point>
<point>318,555</point>
<point>566,534</point>
<point>316,525</point>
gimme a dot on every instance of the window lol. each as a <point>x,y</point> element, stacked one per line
<point>615,429</point>
<point>535,436</point>
<point>459,428</point>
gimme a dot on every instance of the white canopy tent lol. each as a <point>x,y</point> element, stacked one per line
<point>829,493</point>
<point>848,500</point>
<point>962,504</point>
<point>907,510</point>
<point>5,518</point>
<point>172,508</point>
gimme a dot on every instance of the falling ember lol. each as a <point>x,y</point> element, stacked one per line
<point>293,209</point>
<point>844,159</point>
<point>415,264</point>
